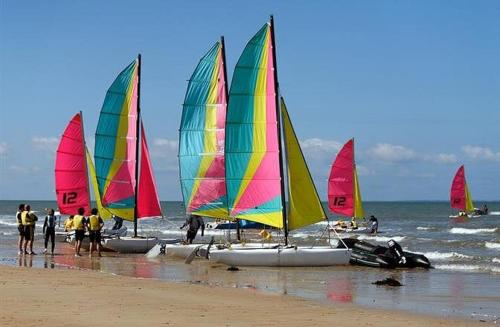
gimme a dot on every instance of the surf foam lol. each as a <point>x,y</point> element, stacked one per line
<point>435,255</point>
<point>458,230</point>
<point>381,238</point>
<point>492,245</point>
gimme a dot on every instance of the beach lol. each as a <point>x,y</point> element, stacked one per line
<point>73,297</point>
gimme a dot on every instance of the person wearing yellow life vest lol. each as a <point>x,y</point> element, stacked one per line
<point>20,228</point>
<point>78,225</point>
<point>28,220</point>
<point>95,224</point>
<point>68,223</point>
<point>354,224</point>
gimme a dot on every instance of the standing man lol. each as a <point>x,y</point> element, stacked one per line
<point>194,223</point>
<point>79,227</point>
<point>95,225</point>
<point>28,219</point>
<point>20,228</point>
<point>49,230</point>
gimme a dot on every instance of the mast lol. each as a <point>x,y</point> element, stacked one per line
<point>85,158</point>
<point>226,93</point>
<point>278,120</point>
<point>137,134</point>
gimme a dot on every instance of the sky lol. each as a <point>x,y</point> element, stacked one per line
<point>416,83</point>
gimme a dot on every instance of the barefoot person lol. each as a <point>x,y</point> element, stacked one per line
<point>28,219</point>
<point>194,223</point>
<point>49,230</point>
<point>20,228</point>
<point>79,227</point>
<point>95,225</point>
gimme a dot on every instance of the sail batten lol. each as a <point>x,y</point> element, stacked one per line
<point>201,137</point>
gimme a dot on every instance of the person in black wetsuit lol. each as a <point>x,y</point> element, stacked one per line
<point>118,223</point>
<point>49,230</point>
<point>194,223</point>
<point>373,224</point>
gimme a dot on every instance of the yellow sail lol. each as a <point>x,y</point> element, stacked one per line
<point>358,203</point>
<point>305,206</point>
<point>469,206</point>
<point>104,213</point>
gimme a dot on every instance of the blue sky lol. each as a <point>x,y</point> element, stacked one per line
<point>417,83</point>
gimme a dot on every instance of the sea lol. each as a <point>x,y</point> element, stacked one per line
<point>465,255</point>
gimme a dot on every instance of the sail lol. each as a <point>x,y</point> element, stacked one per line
<point>460,197</point>
<point>104,213</point>
<point>115,144</point>
<point>72,189</point>
<point>201,144</point>
<point>148,203</point>
<point>305,205</point>
<point>344,196</point>
<point>251,144</point>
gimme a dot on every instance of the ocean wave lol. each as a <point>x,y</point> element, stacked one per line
<point>494,213</point>
<point>426,228</point>
<point>381,238</point>
<point>458,230</point>
<point>495,260</point>
<point>300,235</point>
<point>435,255</point>
<point>7,223</point>
<point>458,267</point>
<point>492,245</point>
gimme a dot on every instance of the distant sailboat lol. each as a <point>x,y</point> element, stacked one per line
<point>344,195</point>
<point>123,168</point>
<point>460,197</point>
<point>255,177</point>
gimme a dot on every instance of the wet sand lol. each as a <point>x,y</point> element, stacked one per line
<point>56,297</point>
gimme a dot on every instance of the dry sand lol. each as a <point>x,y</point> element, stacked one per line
<point>52,297</point>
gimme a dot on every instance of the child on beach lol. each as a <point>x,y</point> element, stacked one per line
<point>78,225</point>
<point>20,228</point>
<point>68,223</point>
<point>49,230</point>
<point>28,219</point>
<point>95,224</point>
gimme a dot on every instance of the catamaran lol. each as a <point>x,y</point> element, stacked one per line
<point>122,163</point>
<point>344,195</point>
<point>254,165</point>
<point>460,197</point>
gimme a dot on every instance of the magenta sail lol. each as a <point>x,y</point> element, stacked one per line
<point>341,182</point>
<point>72,188</point>
<point>148,203</point>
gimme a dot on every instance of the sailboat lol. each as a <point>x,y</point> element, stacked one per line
<point>122,163</point>
<point>344,196</point>
<point>72,167</point>
<point>255,176</point>
<point>460,197</point>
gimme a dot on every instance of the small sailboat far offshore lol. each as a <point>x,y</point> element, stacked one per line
<point>344,195</point>
<point>255,176</point>
<point>123,168</point>
<point>460,197</point>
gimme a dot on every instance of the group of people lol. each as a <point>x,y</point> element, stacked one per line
<point>372,225</point>
<point>80,225</point>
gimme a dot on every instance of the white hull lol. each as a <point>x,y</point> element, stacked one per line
<point>360,230</point>
<point>130,244</point>
<point>63,236</point>
<point>180,250</point>
<point>466,216</point>
<point>282,257</point>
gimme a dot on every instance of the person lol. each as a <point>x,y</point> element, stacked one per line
<point>95,224</point>
<point>68,223</point>
<point>28,219</point>
<point>49,230</point>
<point>354,224</point>
<point>485,209</point>
<point>373,224</point>
<point>78,225</point>
<point>194,223</point>
<point>20,228</point>
<point>118,222</point>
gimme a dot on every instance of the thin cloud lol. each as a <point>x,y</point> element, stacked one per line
<point>45,143</point>
<point>391,153</point>
<point>480,153</point>
<point>3,148</point>
<point>446,158</point>
<point>320,145</point>
<point>165,152</point>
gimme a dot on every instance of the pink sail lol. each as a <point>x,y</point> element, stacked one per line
<point>72,188</point>
<point>148,203</point>
<point>341,182</point>
<point>458,198</point>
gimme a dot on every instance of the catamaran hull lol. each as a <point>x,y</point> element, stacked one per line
<point>282,257</point>
<point>130,244</point>
<point>184,250</point>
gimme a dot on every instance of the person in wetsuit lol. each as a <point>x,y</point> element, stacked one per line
<point>49,230</point>
<point>373,224</point>
<point>194,223</point>
<point>78,225</point>
<point>20,228</point>
<point>118,223</point>
<point>28,219</point>
<point>95,224</point>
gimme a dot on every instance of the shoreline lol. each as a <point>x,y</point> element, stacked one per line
<point>130,301</point>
